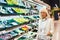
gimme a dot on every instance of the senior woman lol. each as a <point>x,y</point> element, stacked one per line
<point>46,25</point>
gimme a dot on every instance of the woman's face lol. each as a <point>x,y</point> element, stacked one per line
<point>43,14</point>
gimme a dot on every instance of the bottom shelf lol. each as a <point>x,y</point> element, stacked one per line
<point>27,36</point>
<point>17,32</point>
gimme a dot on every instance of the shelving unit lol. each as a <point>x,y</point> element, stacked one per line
<point>18,19</point>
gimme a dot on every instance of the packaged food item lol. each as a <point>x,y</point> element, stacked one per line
<point>13,34</point>
<point>25,27</point>
<point>20,11</point>
<point>21,3</point>
<point>3,11</point>
<point>5,36</point>
<point>30,18</point>
<point>37,17</point>
<point>22,38</point>
<point>2,26</point>
<point>18,31</point>
<point>9,10</point>
<point>12,2</point>
<point>27,36</point>
<point>2,1</point>
<point>8,26</point>
<point>12,22</point>
<point>21,20</point>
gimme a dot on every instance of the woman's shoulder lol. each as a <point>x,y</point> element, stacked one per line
<point>50,19</point>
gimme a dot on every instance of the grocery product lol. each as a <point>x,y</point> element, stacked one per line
<point>21,20</point>
<point>13,34</point>
<point>13,22</point>
<point>12,2</point>
<point>21,3</point>
<point>2,1</point>
<point>3,11</point>
<point>30,18</point>
<point>20,10</point>
<point>18,31</point>
<point>9,10</point>
<point>22,38</point>
<point>25,27</point>
<point>1,26</point>
<point>5,36</point>
<point>37,17</point>
<point>18,20</point>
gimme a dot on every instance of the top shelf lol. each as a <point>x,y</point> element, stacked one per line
<point>8,7</point>
<point>19,4</point>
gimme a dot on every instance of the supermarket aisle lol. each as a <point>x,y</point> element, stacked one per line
<point>57,30</point>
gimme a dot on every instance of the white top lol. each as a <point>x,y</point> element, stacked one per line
<point>42,28</point>
<point>45,26</point>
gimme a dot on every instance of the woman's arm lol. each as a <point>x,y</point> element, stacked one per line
<point>51,30</point>
<point>52,26</point>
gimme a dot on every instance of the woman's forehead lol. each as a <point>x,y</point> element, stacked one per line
<point>43,12</point>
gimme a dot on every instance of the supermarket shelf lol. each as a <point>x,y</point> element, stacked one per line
<point>16,38</point>
<point>15,13</point>
<point>1,29</point>
<point>31,20</point>
<point>25,34</point>
<point>6,5</point>
<point>35,3</point>
<point>18,34</point>
<point>9,30</point>
<point>15,31</point>
<point>23,7</point>
<point>31,15</point>
<point>12,28</point>
<point>2,15</point>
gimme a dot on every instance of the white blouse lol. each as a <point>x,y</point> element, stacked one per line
<point>42,26</point>
<point>45,26</point>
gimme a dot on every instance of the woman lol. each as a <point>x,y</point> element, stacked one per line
<point>57,28</point>
<point>46,25</point>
